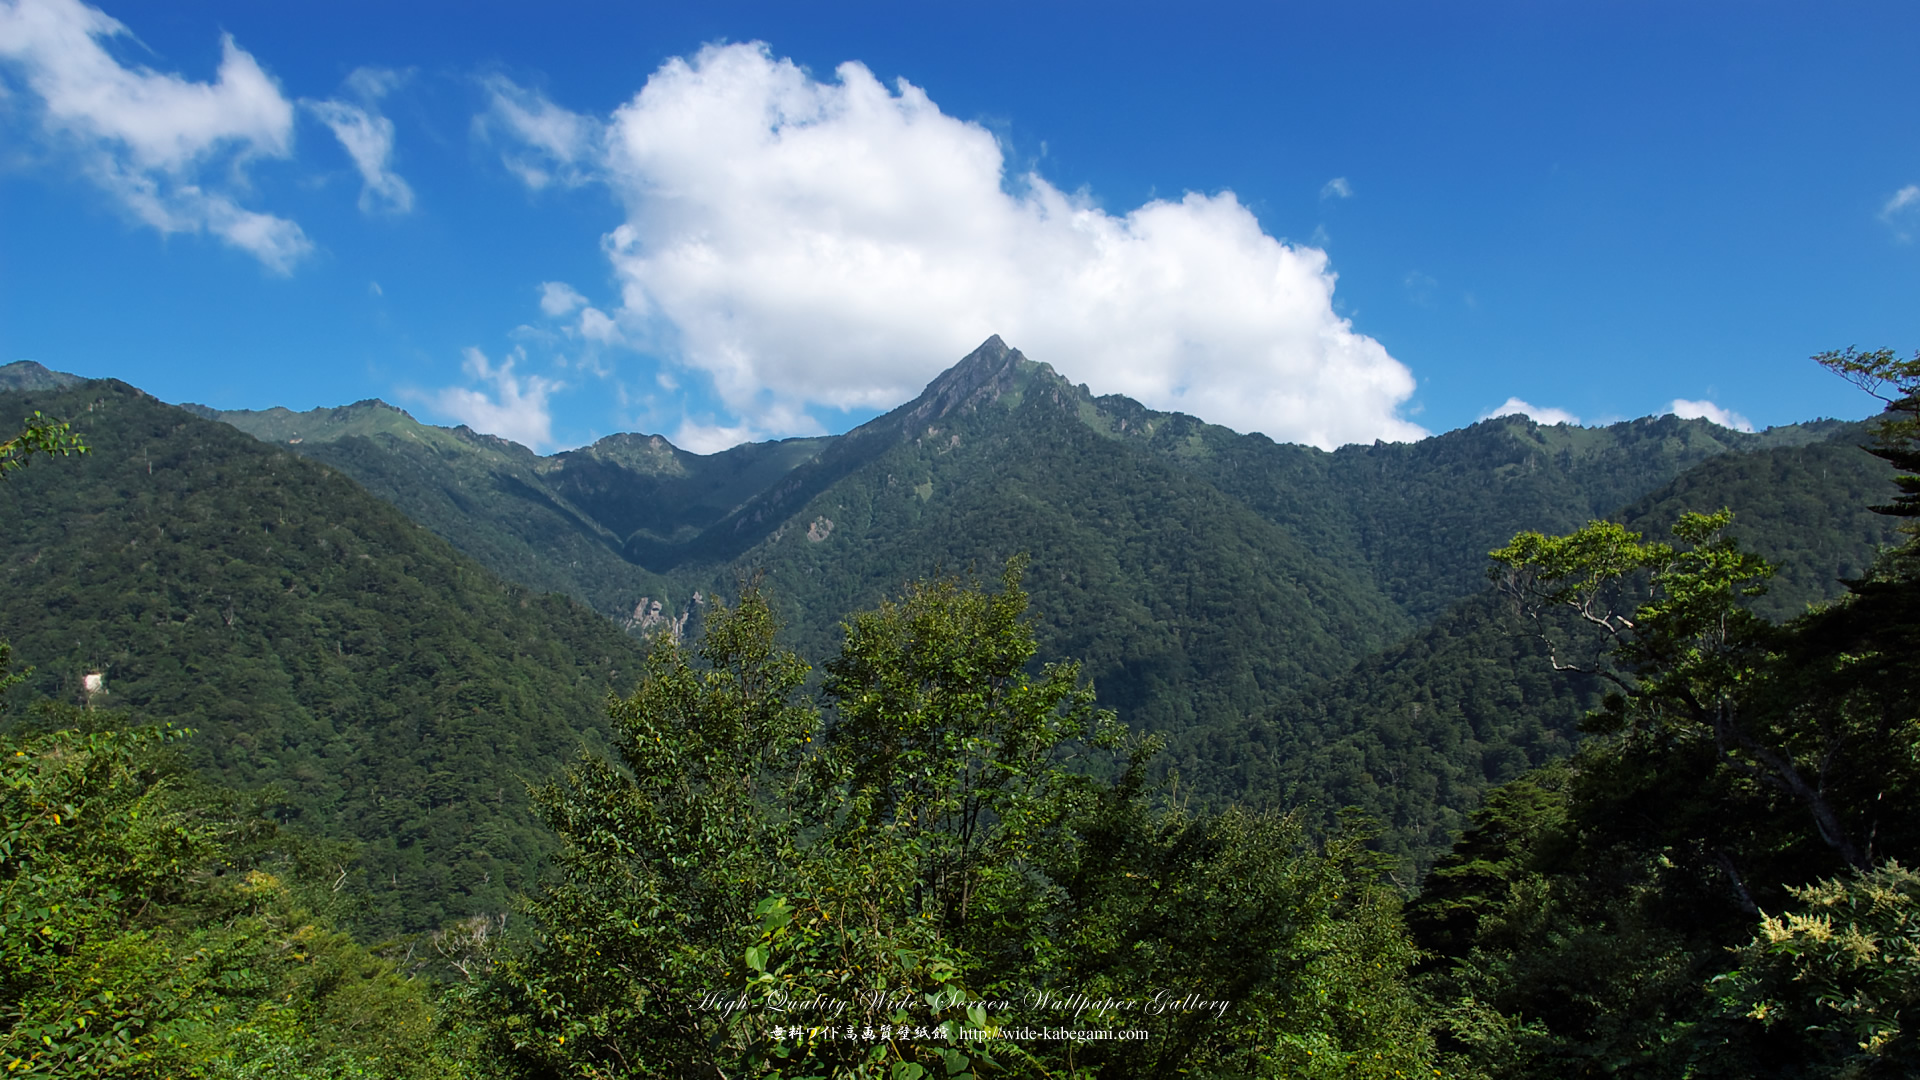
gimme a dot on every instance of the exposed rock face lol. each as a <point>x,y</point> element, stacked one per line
<point>987,372</point>
<point>650,613</point>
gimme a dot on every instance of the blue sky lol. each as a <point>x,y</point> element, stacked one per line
<point>1327,222</point>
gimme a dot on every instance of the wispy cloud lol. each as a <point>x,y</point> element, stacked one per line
<point>544,143</point>
<point>367,137</point>
<point>508,405</point>
<point>1336,188</point>
<point>1901,212</point>
<point>1540,414</point>
<point>1707,410</point>
<point>837,243</point>
<point>171,151</point>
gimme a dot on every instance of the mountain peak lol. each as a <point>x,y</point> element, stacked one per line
<point>29,375</point>
<point>980,377</point>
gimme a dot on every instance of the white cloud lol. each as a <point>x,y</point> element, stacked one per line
<point>1707,410</point>
<point>1336,188</point>
<point>598,327</point>
<point>1900,211</point>
<point>557,298</point>
<point>808,243</point>
<point>516,408</point>
<point>1538,414</point>
<point>367,137</point>
<point>547,144</point>
<point>713,438</point>
<point>152,139</point>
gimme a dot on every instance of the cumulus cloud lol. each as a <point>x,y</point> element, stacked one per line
<point>152,140</point>
<point>1513,406</point>
<point>837,243</point>
<point>367,137</point>
<point>515,406</point>
<point>1336,188</point>
<point>598,327</point>
<point>557,298</point>
<point>546,144</point>
<point>1901,211</point>
<point>1707,410</point>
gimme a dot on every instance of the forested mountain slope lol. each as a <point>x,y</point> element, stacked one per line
<point>315,637</point>
<point>485,494</point>
<point>1185,606</point>
<point>1419,731</point>
<point>1308,627</point>
<point>604,521</point>
<point>1202,574</point>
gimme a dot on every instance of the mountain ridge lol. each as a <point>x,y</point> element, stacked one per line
<point>1304,625</point>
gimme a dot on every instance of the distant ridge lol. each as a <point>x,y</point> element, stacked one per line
<point>324,424</point>
<point>28,376</point>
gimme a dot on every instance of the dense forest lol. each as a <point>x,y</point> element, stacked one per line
<point>293,786</point>
<point>393,692</point>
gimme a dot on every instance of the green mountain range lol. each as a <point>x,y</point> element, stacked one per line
<point>1198,572</point>
<point>361,609</point>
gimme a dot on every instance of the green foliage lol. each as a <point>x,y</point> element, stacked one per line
<point>935,855</point>
<point>663,855</point>
<point>1694,666</point>
<point>1601,918</point>
<point>38,435</point>
<point>392,690</point>
<point>1807,507</point>
<point>1839,976</point>
<point>149,927</point>
<point>1581,925</point>
<point>943,738</point>
<point>1897,433</point>
<point>1415,735</point>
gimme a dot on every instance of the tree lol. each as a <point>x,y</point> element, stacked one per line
<point>1691,663</point>
<point>1896,383</point>
<point>961,844</point>
<point>1750,782</point>
<point>667,849</point>
<point>942,736</point>
<point>152,927</point>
